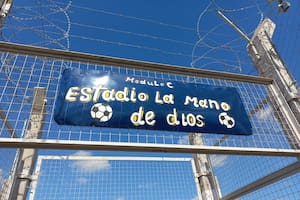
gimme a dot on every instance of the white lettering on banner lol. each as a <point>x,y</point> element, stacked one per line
<point>72,93</point>
<point>188,119</point>
<point>88,94</point>
<point>206,103</point>
<point>154,83</point>
<point>167,98</point>
<point>142,117</point>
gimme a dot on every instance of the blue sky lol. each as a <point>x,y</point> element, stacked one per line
<point>161,32</point>
<point>175,32</point>
<point>115,179</point>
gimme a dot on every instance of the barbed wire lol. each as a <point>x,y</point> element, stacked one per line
<point>243,8</point>
<point>210,42</point>
<point>131,45</point>
<point>33,15</point>
<point>37,22</point>
<point>226,45</point>
<point>132,17</point>
<point>133,33</point>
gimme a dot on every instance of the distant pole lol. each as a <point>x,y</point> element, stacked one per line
<point>207,182</point>
<point>27,157</point>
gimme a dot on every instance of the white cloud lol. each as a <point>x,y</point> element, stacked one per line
<point>264,113</point>
<point>82,153</point>
<point>218,160</point>
<point>90,165</point>
<point>120,198</point>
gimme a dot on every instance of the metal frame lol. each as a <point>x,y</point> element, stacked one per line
<point>287,112</point>
<point>142,147</point>
<point>133,64</point>
<point>127,158</point>
<point>269,64</point>
<point>27,157</point>
<point>265,181</point>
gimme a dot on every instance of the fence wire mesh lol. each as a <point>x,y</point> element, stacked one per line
<point>64,178</point>
<point>235,172</point>
<point>287,188</point>
<point>82,176</point>
<point>7,157</point>
<point>20,74</point>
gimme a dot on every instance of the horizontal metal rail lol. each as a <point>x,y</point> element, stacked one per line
<point>132,158</point>
<point>134,64</point>
<point>142,147</point>
<point>265,181</point>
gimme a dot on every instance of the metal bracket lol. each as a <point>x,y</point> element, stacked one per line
<point>199,174</point>
<point>24,176</point>
<point>293,96</point>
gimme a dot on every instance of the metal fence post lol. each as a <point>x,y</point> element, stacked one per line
<point>269,64</point>
<point>209,188</point>
<point>27,157</point>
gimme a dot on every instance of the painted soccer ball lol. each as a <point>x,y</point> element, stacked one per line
<point>226,120</point>
<point>102,112</point>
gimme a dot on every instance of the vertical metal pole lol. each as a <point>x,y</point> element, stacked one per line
<point>5,6</point>
<point>27,157</point>
<point>270,65</point>
<point>35,180</point>
<point>209,188</point>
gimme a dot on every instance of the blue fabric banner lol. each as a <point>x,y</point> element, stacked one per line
<point>93,98</point>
